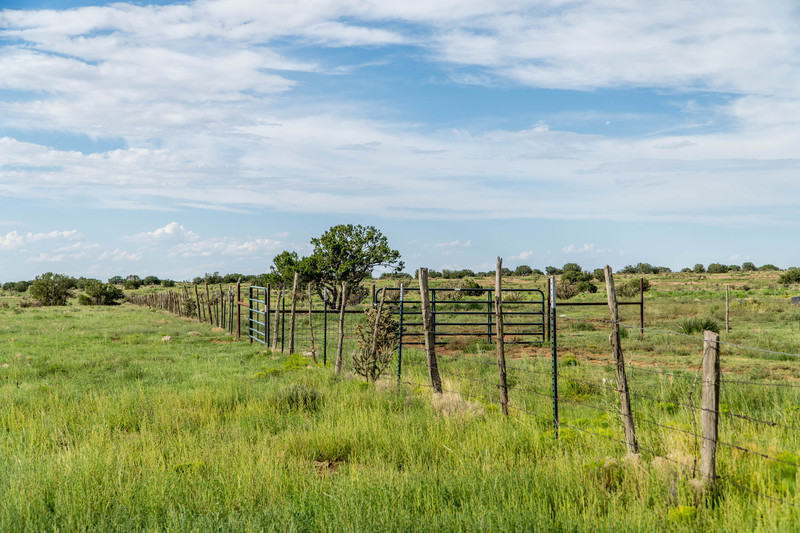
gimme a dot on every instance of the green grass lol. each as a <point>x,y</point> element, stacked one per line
<point>105,426</point>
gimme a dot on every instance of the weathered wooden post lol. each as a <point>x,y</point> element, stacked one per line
<point>338,367</point>
<point>710,408</point>
<point>430,339</point>
<point>292,313</point>
<point>208,302</point>
<point>622,380</point>
<point>239,309</point>
<point>727,311</point>
<point>501,354</point>
<point>277,321</point>
<point>641,308</point>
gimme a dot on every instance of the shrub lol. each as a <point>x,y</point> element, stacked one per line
<point>523,270</point>
<point>587,286</point>
<point>790,277</point>
<point>167,283</point>
<point>566,290</point>
<point>717,268</point>
<point>599,274</point>
<point>631,288</point>
<point>99,293</point>
<point>689,326</point>
<point>52,289</point>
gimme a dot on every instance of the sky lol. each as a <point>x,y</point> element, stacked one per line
<point>181,138</point>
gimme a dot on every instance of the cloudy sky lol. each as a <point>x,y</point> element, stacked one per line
<point>178,138</point>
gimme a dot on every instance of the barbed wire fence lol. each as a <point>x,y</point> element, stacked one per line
<point>667,401</point>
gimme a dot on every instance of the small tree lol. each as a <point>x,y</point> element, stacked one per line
<point>99,293</point>
<point>790,277</point>
<point>699,268</point>
<point>52,289</point>
<point>749,266</point>
<point>717,268</point>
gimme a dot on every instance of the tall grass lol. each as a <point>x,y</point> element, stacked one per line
<point>105,426</point>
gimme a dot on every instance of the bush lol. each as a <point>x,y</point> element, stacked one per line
<point>790,277</point>
<point>599,274</point>
<point>690,326</point>
<point>566,290</point>
<point>717,268</point>
<point>167,283</point>
<point>587,286</point>
<point>631,288</point>
<point>52,289</point>
<point>523,270</point>
<point>99,293</point>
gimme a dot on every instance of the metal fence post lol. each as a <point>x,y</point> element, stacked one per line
<point>554,353</point>
<point>489,314</point>
<point>400,334</point>
<point>283,317</point>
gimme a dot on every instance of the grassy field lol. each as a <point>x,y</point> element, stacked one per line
<point>107,425</point>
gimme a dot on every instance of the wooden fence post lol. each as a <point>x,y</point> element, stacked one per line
<point>277,322</point>
<point>710,407</point>
<point>292,313</point>
<point>430,339</point>
<point>238,309</point>
<point>641,308</point>
<point>338,366</point>
<point>501,354</point>
<point>727,311</point>
<point>208,301</point>
<point>622,380</point>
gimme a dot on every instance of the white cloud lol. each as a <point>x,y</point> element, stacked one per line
<point>221,247</point>
<point>171,232</point>
<point>522,256</point>
<point>15,240</point>
<point>454,244</point>
<point>586,249</point>
<point>118,255</point>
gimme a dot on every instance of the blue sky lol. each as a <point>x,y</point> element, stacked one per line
<point>178,138</point>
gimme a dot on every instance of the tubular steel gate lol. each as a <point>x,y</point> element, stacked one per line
<point>470,313</point>
<point>258,306</point>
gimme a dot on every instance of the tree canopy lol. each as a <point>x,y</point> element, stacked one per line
<point>347,252</point>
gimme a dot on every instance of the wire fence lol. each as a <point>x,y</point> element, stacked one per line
<point>759,420</point>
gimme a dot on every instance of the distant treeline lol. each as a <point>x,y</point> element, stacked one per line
<point>133,281</point>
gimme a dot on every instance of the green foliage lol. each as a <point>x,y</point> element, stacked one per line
<point>747,266</point>
<point>566,290</point>
<point>523,270</point>
<point>768,268</point>
<point>345,253</point>
<point>152,280</point>
<point>52,289</point>
<point>699,268</point>
<point>717,268</point>
<point>587,286</point>
<point>552,271</point>
<point>16,286</point>
<point>167,283</point>
<point>790,277</point>
<point>631,287</point>
<point>571,267</point>
<point>690,326</point>
<point>599,274</point>
<point>132,282</point>
<point>98,293</point>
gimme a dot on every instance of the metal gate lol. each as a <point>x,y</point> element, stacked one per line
<point>469,313</point>
<point>257,308</point>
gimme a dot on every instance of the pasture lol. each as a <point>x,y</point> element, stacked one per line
<point>105,424</point>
